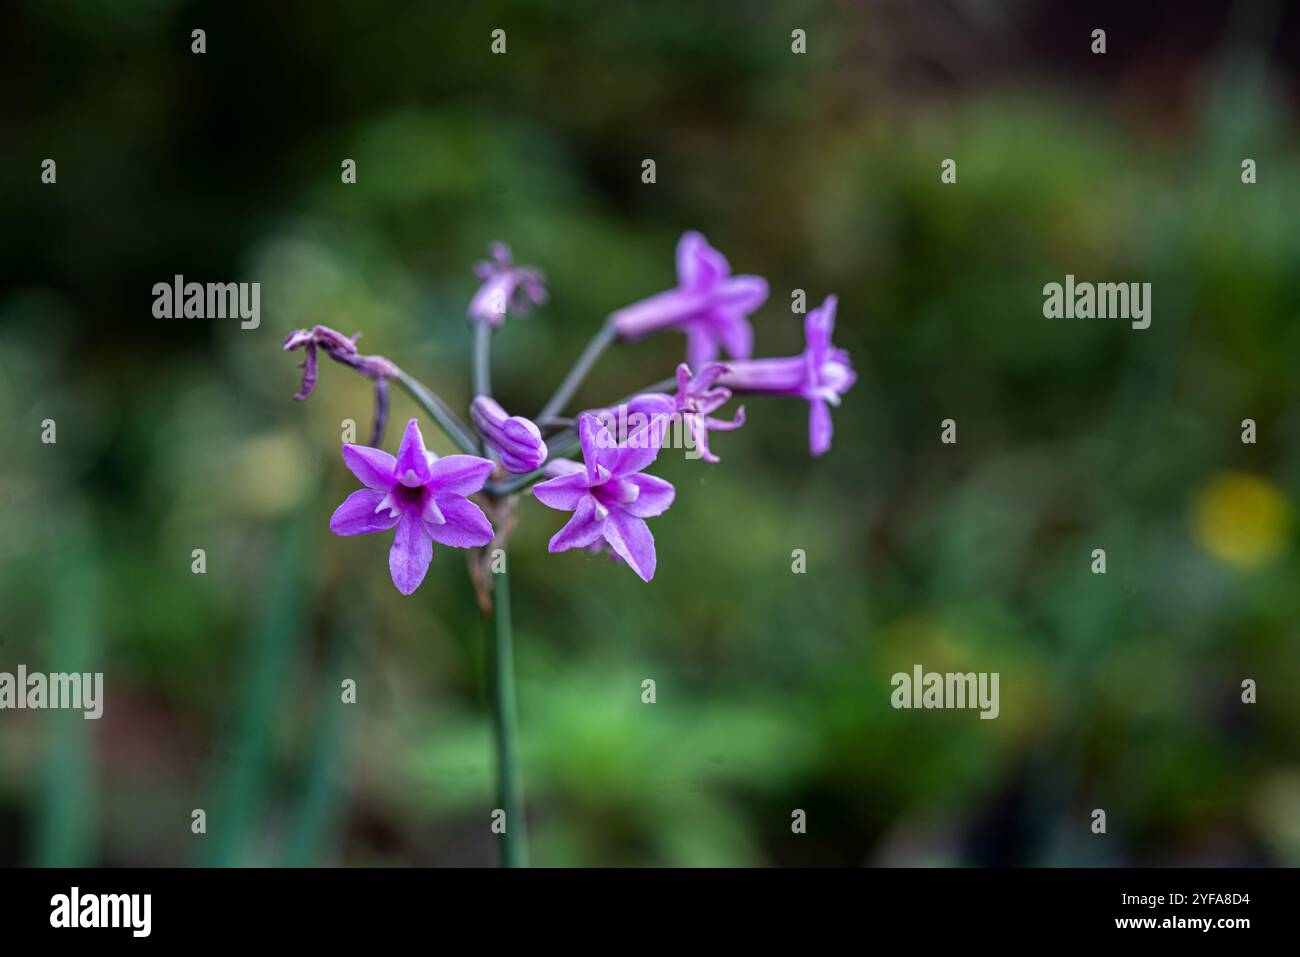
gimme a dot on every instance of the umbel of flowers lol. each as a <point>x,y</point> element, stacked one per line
<point>426,500</point>
<point>595,467</point>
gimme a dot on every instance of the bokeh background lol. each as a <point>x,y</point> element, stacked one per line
<point>818,171</point>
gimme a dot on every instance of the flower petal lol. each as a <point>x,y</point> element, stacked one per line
<point>663,310</point>
<point>583,528</point>
<point>699,265</point>
<point>703,379</point>
<point>373,467</point>
<point>412,550</point>
<point>564,492</point>
<point>357,516</point>
<point>819,427</point>
<point>648,410</point>
<point>491,300</point>
<point>309,370</point>
<point>736,333</point>
<point>640,449</point>
<point>630,537</point>
<point>722,425</point>
<point>459,474</point>
<point>466,526</point>
<point>599,450</point>
<point>654,495</point>
<point>818,327</point>
<point>701,344</point>
<point>412,468</point>
<point>699,433</point>
<point>648,404</point>
<point>741,294</point>
<point>557,467</point>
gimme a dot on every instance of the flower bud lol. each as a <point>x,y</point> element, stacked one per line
<point>517,440</point>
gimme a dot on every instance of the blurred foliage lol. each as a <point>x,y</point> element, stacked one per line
<point>819,172</point>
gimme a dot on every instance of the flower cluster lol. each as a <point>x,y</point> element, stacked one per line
<point>426,499</point>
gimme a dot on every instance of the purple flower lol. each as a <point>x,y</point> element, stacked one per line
<point>421,494</point>
<point>821,374</point>
<point>709,304</point>
<point>506,288</point>
<point>338,347</point>
<point>517,440</point>
<point>343,349</point>
<point>609,497</point>
<point>694,400</point>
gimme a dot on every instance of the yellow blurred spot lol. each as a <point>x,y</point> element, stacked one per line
<point>1241,519</point>
<point>269,474</point>
<point>1276,809</point>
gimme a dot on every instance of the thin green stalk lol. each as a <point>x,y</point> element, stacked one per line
<point>456,430</point>
<point>315,821</point>
<point>66,819</point>
<point>482,359</point>
<point>514,843</point>
<point>244,761</point>
<point>599,343</point>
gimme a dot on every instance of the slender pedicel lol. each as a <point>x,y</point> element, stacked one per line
<point>598,344</point>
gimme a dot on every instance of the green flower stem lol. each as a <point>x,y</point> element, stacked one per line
<point>599,343</point>
<point>514,843</point>
<point>456,430</point>
<point>482,359</point>
<point>63,832</point>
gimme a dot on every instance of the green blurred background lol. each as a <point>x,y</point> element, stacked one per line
<point>818,171</point>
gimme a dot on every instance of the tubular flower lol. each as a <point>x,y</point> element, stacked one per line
<point>821,374</point>
<point>709,304</point>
